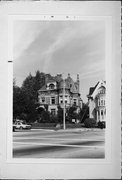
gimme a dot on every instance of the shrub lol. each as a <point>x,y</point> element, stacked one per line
<point>53,119</point>
<point>89,123</point>
<point>45,117</point>
<point>101,125</point>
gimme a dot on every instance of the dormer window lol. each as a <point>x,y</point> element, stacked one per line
<point>51,86</point>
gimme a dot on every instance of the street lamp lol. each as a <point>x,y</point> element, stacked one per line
<point>64,126</point>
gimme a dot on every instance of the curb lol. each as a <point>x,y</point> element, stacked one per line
<point>70,130</point>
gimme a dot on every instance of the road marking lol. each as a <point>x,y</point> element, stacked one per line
<point>48,144</point>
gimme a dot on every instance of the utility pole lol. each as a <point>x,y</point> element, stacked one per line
<point>64,126</point>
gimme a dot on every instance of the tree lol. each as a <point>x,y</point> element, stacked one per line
<point>45,116</point>
<point>30,98</point>
<point>18,101</point>
<point>28,85</point>
<point>60,114</point>
<point>72,114</point>
<point>84,112</point>
<point>39,81</point>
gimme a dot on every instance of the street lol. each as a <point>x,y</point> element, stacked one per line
<point>76,143</point>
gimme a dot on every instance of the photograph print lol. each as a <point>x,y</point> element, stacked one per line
<point>59,89</point>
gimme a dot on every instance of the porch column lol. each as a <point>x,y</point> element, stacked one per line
<point>103,114</point>
<point>100,114</point>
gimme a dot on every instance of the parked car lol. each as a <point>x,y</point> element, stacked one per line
<point>21,125</point>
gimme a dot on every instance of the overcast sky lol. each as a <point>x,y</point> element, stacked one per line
<point>75,47</point>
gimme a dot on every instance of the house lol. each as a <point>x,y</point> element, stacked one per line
<point>96,101</point>
<point>58,91</point>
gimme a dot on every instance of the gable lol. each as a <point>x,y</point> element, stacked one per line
<point>101,84</point>
<point>93,91</point>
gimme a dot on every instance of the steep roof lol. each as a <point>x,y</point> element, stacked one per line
<point>69,83</point>
<point>43,88</point>
<point>91,89</point>
<point>51,79</point>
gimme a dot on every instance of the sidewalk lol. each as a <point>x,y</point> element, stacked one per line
<point>70,129</point>
<point>81,129</point>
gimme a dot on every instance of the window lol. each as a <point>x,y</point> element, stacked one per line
<point>65,101</point>
<point>102,90</point>
<point>51,86</point>
<point>61,102</point>
<point>43,99</point>
<point>52,100</point>
<point>101,113</point>
<point>74,101</point>
<point>102,102</point>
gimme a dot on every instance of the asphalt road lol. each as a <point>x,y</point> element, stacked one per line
<point>59,144</point>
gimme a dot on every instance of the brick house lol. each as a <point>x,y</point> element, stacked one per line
<point>56,90</point>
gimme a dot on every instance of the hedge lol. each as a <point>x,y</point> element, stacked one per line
<point>90,123</point>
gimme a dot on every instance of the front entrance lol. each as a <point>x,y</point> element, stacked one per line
<point>53,112</point>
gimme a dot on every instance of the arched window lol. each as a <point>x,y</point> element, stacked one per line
<point>51,86</point>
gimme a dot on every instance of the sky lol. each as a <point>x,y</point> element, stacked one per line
<point>60,47</point>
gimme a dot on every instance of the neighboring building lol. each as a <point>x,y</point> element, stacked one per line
<point>96,100</point>
<point>56,90</point>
